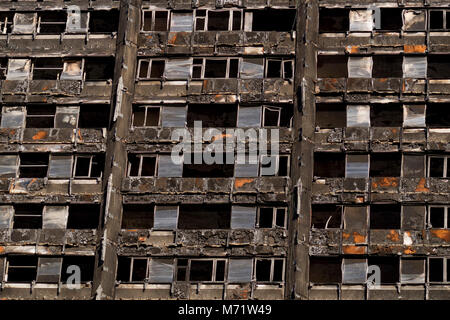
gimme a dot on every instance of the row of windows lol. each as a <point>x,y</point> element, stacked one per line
<point>391,270</point>
<point>213,116</point>
<point>383,19</point>
<point>379,216</point>
<point>50,116</point>
<point>218,20</point>
<point>209,68</point>
<point>204,216</point>
<point>148,165</point>
<point>339,115</point>
<point>160,270</point>
<point>38,216</point>
<point>334,165</point>
<point>383,66</point>
<point>89,69</point>
<point>41,165</point>
<point>57,22</point>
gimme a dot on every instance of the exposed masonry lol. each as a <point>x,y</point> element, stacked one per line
<point>90,97</point>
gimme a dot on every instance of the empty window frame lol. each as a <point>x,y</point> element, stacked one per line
<point>439,20</point>
<point>332,66</point>
<point>439,217</point>
<point>326,216</point>
<point>212,116</point>
<point>279,68</point>
<point>151,68</point>
<point>385,216</point>
<point>386,115</point>
<point>137,216</point>
<point>33,165</point>
<point>325,270</point>
<point>40,116</point>
<point>85,263</point>
<point>218,20</point>
<point>437,115</point>
<point>27,216</point>
<point>281,20</point>
<point>271,217</point>
<point>88,166</point>
<point>275,165</point>
<point>6,22</point>
<point>21,269</point>
<point>333,20</point>
<point>141,165</point>
<point>331,115</point>
<point>146,116</point>
<point>201,270</point>
<point>329,165</point>
<point>439,270</point>
<point>438,167</point>
<point>51,22</point>
<point>389,267</point>
<point>204,216</point>
<point>47,68</point>
<point>140,270</point>
<point>277,116</point>
<point>269,270</point>
<point>104,21</point>
<point>211,68</point>
<point>155,20</point>
<point>389,19</point>
<point>83,216</point>
<point>387,66</point>
<point>99,68</point>
<point>385,164</point>
<point>438,66</point>
<point>3,68</point>
<point>207,170</point>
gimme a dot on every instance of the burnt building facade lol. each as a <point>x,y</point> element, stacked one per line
<point>350,203</point>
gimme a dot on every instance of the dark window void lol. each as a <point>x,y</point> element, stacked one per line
<point>102,21</point>
<point>325,270</point>
<point>137,216</point>
<point>387,66</point>
<point>277,116</point>
<point>437,20</point>
<point>86,265</point>
<point>204,217</point>
<point>218,20</point>
<point>388,268</point>
<point>141,166</point>
<point>27,216</point>
<point>385,216</point>
<point>324,216</point>
<point>333,20</point>
<point>438,66</point>
<point>52,22</point>
<point>329,165</point>
<point>330,66</point>
<point>83,216</point>
<point>94,116</point>
<point>386,115</point>
<point>331,115</point>
<point>89,166</point>
<point>274,20</point>
<point>22,268</point>
<point>99,68</point>
<point>437,217</point>
<point>208,170</point>
<point>438,115</point>
<point>385,164</point>
<point>391,19</point>
<point>201,270</point>
<point>437,167</point>
<point>47,68</point>
<point>40,116</point>
<point>267,219</point>
<point>212,115</point>
<point>436,272</point>
<point>123,269</point>
<point>215,68</point>
<point>33,165</point>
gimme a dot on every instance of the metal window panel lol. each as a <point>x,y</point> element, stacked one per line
<point>49,270</point>
<point>181,21</point>
<point>359,67</point>
<point>414,116</point>
<point>355,218</point>
<point>60,166</point>
<point>72,70</point>
<point>413,166</point>
<point>161,270</point>
<point>412,271</point>
<point>18,69</point>
<point>173,117</point>
<point>8,166</point>
<point>358,116</point>
<point>24,23</point>
<point>357,166</point>
<point>354,270</point>
<point>6,217</point>
<point>240,270</point>
<point>166,218</point>
<point>414,67</point>
<point>252,68</point>
<point>244,170</point>
<point>76,20</point>
<point>66,117</point>
<point>243,217</point>
<point>55,217</point>
<point>13,117</point>
<point>414,20</point>
<point>361,20</point>
<point>249,117</point>
<point>273,169</point>
<point>168,168</point>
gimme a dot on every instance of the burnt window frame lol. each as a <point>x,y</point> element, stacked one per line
<point>446,218</point>
<point>283,61</point>
<point>91,160</point>
<point>153,13</point>
<point>33,68</point>
<point>20,165</point>
<point>146,107</point>
<point>8,267</point>
<point>39,21</point>
<point>205,18</point>
<point>187,270</point>
<point>6,24</point>
<point>341,216</point>
<point>445,167</point>
<point>445,268</point>
<point>277,165</point>
<point>202,67</point>
<point>141,156</point>
<point>274,217</point>
<point>149,70</point>
<point>444,20</point>
<point>272,268</point>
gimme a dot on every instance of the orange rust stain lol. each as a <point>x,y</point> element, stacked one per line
<point>415,48</point>
<point>221,136</point>
<point>409,251</point>
<point>358,238</point>
<point>359,199</point>
<point>238,183</point>
<point>352,49</point>
<point>385,182</point>
<point>421,186</point>
<point>12,132</point>
<point>40,135</point>
<point>393,236</point>
<point>79,135</point>
<point>442,234</point>
<point>45,88</point>
<point>173,39</point>
<point>382,79</point>
<point>132,230</point>
<point>2,249</point>
<point>394,130</point>
<point>142,239</point>
<point>149,36</point>
<point>354,250</point>
<point>345,235</point>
